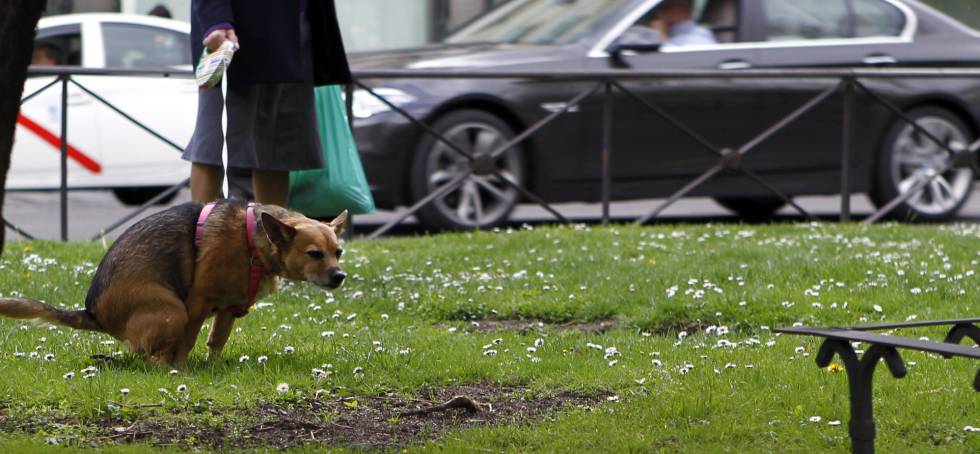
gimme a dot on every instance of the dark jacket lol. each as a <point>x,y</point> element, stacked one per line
<point>268,32</point>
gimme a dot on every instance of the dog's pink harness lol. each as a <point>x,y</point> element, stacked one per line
<point>255,269</point>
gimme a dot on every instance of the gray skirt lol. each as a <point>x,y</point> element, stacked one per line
<point>270,126</point>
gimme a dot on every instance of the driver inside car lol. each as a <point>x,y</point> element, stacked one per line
<point>673,19</point>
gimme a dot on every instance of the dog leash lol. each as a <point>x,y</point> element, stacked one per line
<point>255,269</point>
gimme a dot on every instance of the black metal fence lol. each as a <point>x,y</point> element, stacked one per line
<point>603,83</point>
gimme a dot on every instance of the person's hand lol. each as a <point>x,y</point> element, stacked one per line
<point>215,39</point>
<point>660,25</point>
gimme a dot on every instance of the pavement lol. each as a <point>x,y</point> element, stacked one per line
<point>92,212</point>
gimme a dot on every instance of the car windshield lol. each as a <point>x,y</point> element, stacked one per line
<point>540,22</point>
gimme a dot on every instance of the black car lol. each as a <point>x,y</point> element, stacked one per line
<point>651,158</point>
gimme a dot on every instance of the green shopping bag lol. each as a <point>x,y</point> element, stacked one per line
<point>341,185</point>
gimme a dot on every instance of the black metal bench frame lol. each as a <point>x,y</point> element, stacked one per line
<point>860,370</point>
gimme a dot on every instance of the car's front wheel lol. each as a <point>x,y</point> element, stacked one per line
<point>909,158</point>
<point>484,199</point>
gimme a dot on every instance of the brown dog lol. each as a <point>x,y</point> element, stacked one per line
<point>155,287</point>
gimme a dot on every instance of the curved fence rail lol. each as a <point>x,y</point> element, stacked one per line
<point>604,83</point>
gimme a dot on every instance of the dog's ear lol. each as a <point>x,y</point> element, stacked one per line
<point>339,222</point>
<point>279,233</point>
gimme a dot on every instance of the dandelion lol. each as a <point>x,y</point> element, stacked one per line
<point>835,367</point>
<point>243,358</point>
<point>282,388</point>
<point>124,391</point>
<point>262,359</point>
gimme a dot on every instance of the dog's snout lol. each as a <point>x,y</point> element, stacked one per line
<point>337,278</point>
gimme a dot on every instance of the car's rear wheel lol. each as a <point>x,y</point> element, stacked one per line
<point>484,199</point>
<point>908,158</point>
<point>752,208</point>
<point>139,196</point>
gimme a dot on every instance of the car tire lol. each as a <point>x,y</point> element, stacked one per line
<point>906,156</point>
<point>752,208</point>
<point>483,200</point>
<point>139,196</point>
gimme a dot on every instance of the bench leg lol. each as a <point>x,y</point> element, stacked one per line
<point>860,374</point>
<point>956,335</point>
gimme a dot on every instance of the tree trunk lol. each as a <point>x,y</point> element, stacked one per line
<point>18,19</point>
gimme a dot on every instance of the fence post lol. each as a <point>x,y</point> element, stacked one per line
<point>845,166</point>
<point>64,156</point>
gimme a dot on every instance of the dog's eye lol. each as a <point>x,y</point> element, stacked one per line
<point>315,254</point>
<point>340,252</point>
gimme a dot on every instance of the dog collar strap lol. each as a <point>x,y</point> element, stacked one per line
<point>201,219</point>
<point>255,269</point>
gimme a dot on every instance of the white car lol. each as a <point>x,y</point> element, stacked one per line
<point>106,151</point>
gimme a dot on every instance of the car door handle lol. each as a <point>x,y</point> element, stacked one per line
<point>880,60</point>
<point>734,64</point>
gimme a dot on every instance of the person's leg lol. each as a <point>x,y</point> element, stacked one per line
<point>205,182</point>
<point>270,186</point>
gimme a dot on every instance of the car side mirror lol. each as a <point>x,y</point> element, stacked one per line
<point>637,39</point>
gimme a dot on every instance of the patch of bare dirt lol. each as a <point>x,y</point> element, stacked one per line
<point>381,422</point>
<point>530,326</point>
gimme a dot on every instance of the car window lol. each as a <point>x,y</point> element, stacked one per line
<point>539,22</point>
<point>58,46</point>
<point>877,18</point>
<point>716,20</point>
<point>806,19</point>
<point>139,46</point>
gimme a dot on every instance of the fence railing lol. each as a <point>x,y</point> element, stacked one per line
<point>604,83</point>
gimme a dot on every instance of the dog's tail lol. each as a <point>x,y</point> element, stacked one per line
<point>28,309</point>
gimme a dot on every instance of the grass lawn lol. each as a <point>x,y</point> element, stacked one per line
<point>583,339</point>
